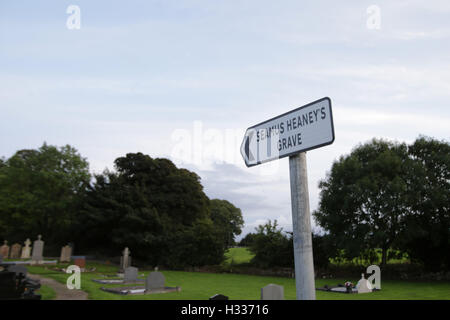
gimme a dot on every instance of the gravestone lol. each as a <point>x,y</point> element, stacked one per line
<point>125,260</point>
<point>131,274</point>
<point>79,261</point>
<point>26,250</point>
<point>272,292</point>
<point>66,254</point>
<point>218,297</point>
<point>4,250</point>
<point>155,280</point>
<point>15,251</point>
<point>363,285</point>
<point>38,249</point>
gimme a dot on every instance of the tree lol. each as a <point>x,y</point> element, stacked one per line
<point>157,210</point>
<point>39,192</point>
<point>271,247</point>
<point>247,240</point>
<point>228,218</point>
<point>426,236</point>
<point>274,248</point>
<point>363,199</point>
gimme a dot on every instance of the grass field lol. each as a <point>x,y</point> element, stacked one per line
<point>201,286</point>
<point>238,256</point>
<point>46,292</point>
<point>243,255</point>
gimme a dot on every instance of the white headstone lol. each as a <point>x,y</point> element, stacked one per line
<point>272,292</point>
<point>363,285</point>
<point>26,251</point>
<point>38,249</point>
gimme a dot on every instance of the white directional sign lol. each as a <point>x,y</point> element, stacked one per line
<point>299,130</point>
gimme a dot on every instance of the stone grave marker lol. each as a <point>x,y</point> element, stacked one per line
<point>66,254</point>
<point>272,292</point>
<point>4,250</point>
<point>363,285</point>
<point>155,280</point>
<point>131,274</point>
<point>37,256</point>
<point>26,250</point>
<point>15,251</point>
<point>125,260</point>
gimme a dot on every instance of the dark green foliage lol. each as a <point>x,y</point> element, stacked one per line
<point>274,248</point>
<point>426,236</point>
<point>362,201</point>
<point>271,247</point>
<point>228,219</point>
<point>247,240</point>
<point>39,192</point>
<point>390,196</point>
<point>158,211</point>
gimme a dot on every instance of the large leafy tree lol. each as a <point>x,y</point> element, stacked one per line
<point>156,209</point>
<point>39,191</point>
<point>363,198</point>
<point>228,219</point>
<point>426,235</point>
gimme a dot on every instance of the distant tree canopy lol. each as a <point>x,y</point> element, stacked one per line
<point>157,210</point>
<point>426,236</point>
<point>149,205</point>
<point>273,247</point>
<point>228,218</point>
<point>390,195</point>
<point>39,191</point>
<point>247,240</point>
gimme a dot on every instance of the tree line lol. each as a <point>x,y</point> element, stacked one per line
<point>384,195</point>
<point>157,210</point>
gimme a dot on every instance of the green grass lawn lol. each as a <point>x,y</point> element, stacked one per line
<point>46,292</point>
<point>243,255</point>
<point>201,286</point>
<point>238,256</point>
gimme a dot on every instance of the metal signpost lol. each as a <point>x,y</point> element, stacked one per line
<point>292,134</point>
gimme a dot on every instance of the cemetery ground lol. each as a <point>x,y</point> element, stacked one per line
<point>202,285</point>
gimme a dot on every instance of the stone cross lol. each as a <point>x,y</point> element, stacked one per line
<point>4,250</point>
<point>26,251</point>
<point>155,280</point>
<point>66,254</point>
<point>125,260</point>
<point>131,274</point>
<point>272,292</point>
<point>38,250</point>
<point>15,251</point>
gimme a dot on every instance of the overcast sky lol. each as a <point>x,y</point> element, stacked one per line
<point>183,79</point>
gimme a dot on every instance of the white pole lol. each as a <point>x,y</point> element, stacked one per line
<point>301,224</point>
